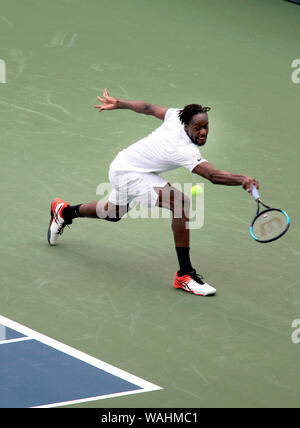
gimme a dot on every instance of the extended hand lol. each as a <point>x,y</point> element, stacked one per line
<point>109,103</point>
<point>248,183</point>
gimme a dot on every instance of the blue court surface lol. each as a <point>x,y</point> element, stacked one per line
<point>37,371</point>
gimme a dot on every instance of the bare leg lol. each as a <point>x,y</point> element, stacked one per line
<point>174,200</point>
<point>103,210</point>
<point>171,198</point>
<point>88,210</point>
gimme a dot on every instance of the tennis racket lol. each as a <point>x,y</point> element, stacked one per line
<point>269,224</point>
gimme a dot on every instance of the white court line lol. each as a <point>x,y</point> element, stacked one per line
<point>2,332</point>
<point>19,339</point>
<point>141,383</point>
<point>85,400</point>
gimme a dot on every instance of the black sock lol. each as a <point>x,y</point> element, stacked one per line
<point>71,212</point>
<point>183,254</point>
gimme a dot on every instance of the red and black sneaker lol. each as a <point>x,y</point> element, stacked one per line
<point>193,283</point>
<point>57,223</point>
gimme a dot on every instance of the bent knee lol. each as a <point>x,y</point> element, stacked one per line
<point>113,219</point>
<point>113,212</point>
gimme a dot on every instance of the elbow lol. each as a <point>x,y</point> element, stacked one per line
<point>147,108</point>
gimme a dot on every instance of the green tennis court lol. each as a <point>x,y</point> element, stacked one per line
<point>106,289</point>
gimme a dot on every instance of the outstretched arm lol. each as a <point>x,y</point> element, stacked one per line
<point>111,103</point>
<point>218,176</point>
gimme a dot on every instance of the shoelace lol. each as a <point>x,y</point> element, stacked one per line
<point>61,228</point>
<point>62,225</point>
<point>196,277</point>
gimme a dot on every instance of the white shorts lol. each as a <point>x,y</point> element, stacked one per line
<point>134,187</point>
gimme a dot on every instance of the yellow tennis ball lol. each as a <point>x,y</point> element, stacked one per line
<point>197,190</point>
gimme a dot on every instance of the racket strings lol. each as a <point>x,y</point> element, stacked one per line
<point>269,225</point>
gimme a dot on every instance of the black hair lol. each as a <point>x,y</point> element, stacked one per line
<point>186,114</point>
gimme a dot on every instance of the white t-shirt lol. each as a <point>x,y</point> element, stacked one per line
<point>167,147</point>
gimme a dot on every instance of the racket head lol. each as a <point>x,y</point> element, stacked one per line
<point>269,225</point>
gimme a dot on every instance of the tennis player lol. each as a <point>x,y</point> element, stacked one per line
<point>134,174</point>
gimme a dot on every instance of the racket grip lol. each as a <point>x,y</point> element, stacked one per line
<point>255,193</point>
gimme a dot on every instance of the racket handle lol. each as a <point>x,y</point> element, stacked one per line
<point>255,193</point>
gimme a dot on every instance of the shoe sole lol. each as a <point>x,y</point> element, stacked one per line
<point>49,232</point>
<point>195,294</point>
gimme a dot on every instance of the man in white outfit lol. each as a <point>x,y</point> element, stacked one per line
<point>134,174</point>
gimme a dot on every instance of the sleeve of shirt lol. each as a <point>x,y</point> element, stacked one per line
<point>171,112</point>
<point>189,158</point>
